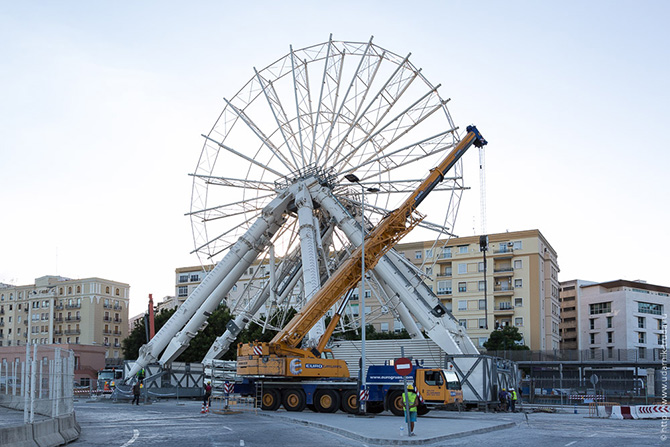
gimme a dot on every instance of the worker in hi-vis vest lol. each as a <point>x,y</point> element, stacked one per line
<point>413,406</point>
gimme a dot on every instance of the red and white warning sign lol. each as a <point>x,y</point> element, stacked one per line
<point>403,366</point>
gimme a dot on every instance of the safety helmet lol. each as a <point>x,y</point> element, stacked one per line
<point>410,387</point>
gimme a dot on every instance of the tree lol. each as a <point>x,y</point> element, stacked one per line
<point>505,339</point>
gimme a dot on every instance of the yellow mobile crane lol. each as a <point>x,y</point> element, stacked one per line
<point>281,358</point>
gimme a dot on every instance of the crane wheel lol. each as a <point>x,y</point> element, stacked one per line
<point>270,400</point>
<point>294,399</point>
<point>395,403</point>
<point>349,402</point>
<point>326,401</point>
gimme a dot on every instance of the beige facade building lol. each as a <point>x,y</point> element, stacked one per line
<point>57,310</point>
<point>521,284</point>
<point>570,296</point>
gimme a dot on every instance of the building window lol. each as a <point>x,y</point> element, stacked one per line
<point>429,253</point>
<point>482,340</point>
<point>518,302</point>
<point>462,269</point>
<point>518,245</point>
<point>518,283</point>
<point>463,250</point>
<point>107,290</point>
<point>641,337</point>
<point>517,264</point>
<point>641,352</point>
<point>640,322</point>
<point>481,285</point>
<point>384,327</point>
<point>117,292</point>
<point>609,322</point>
<point>610,337</point>
<point>480,267</point>
<point>482,304</point>
<point>195,277</point>
<point>446,253</point>
<point>78,289</point>
<point>592,323</point>
<point>600,308</point>
<point>463,323</point>
<point>417,254</point>
<point>462,287</point>
<point>482,323</point>
<point>650,308</point>
<point>593,338</point>
<point>444,287</point>
<point>660,339</point>
<point>183,278</point>
<point>518,322</point>
<point>429,271</point>
<point>182,291</point>
<point>462,305</point>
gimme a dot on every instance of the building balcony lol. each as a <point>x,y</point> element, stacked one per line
<point>107,332</point>
<point>25,309</point>
<point>444,292</point>
<point>105,343</point>
<point>118,333</point>
<point>73,332</point>
<point>118,320</point>
<point>73,306</point>
<point>117,345</point>
<point>58,332</point>
<point>58,320</point>
<point>504,308</point>
<point>503,289</point>
<point>117,307</point>
<point>25,322</point>
<point>446,273</point>
<point>107,306</point>
<point>442,256</point>
<point>108,319</point>
<point>58,307</point>
<point>73,319</point>
<point>502,271</point>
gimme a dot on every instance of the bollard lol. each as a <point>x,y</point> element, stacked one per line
<point>575,408</point>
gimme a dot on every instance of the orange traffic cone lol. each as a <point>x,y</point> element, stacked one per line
<point>207,408</point>
<point>202,410</point>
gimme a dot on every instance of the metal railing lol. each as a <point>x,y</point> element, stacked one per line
<point>584,355</point>
<point>41,382</point>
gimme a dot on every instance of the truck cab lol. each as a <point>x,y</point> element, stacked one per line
<point>439,386</point>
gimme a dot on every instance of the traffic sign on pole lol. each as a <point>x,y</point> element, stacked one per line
<point>403,366</point>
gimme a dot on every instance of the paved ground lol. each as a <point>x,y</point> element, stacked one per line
<point>171,423</point>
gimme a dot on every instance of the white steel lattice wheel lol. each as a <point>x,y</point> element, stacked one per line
<point>334,108</point>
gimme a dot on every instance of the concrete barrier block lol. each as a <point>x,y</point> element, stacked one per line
<point>45,433</point>
<point>20,436</point>
<point>69,428</point>
<point>616,413</point>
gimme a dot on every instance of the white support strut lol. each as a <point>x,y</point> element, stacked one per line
<point>209,289</point>
<point>308,250</point>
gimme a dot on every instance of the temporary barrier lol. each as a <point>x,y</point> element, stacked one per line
<point>601,409</point>
<point>652,411</point>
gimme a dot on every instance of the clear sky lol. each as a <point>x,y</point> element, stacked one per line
<point>102,105</point>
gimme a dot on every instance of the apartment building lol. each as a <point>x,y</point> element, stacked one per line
<point>518,287</point>
<point>622,314</point>
<point>521,277</point>
<point>570,297</point>
<point>58,310</point>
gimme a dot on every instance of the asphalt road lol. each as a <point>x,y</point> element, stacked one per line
<point>168,424</point>
<point>180,424</point>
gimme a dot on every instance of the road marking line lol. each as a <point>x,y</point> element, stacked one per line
<point>136,434</point>
<point>594,434</point>
<point>570,443</point>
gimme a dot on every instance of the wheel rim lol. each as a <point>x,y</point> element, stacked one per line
<point>326,401</point>
<point>293,400</point>
<point>268,399</point>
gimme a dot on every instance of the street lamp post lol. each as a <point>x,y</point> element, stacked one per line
<point>353,179</point>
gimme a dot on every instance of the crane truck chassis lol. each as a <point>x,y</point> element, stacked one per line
<point>436,388</point>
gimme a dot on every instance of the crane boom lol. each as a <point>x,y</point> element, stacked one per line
<point>389,231</point>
